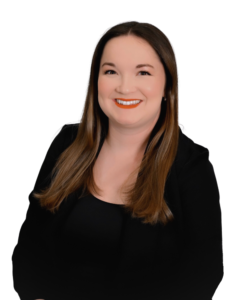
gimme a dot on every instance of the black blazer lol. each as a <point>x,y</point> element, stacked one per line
<point>183,261</point>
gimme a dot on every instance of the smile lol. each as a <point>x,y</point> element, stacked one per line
<point>127,103</point>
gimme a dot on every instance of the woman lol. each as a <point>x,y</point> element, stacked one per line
<point>125,205</point>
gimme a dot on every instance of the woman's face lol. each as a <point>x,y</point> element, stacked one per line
<point>124,74</point>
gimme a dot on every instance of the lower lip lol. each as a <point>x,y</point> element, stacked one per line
<point>126,106</point>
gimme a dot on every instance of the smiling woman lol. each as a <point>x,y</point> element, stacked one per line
<point>125,205</point>
<point>143,82</point>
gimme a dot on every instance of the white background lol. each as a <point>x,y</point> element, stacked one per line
<point>45,57</point>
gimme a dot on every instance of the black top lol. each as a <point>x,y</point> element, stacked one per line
<point>92,249</point>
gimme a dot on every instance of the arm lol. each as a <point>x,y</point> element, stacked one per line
<point>201,268</point>
<point>30,259</point>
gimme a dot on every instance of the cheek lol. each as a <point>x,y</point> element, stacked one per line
<point>153,89</point>
<point>103,86</point>
<point>104,92</point>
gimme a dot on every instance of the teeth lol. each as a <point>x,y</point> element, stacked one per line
<point>127,102</point>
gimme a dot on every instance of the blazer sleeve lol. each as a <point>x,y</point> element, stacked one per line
<point>30,257</point>
<point>201,268</point>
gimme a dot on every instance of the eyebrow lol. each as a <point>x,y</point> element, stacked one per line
<point>137,67</point>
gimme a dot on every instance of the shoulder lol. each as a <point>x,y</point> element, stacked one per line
<point>70,127</point>
<point>67,135</point>
<point>189,154</point>
<point>195,173</point>
<point>70,130</point>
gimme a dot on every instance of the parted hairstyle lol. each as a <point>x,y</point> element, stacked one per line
<point>74,168</point>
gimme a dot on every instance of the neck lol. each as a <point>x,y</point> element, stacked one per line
<point>128,140</point>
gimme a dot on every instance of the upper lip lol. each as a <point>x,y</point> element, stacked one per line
<point>127,99</point>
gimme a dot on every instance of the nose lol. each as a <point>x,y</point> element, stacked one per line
<point>126,85</point>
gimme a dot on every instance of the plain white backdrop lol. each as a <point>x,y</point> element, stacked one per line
<point>46,49</point>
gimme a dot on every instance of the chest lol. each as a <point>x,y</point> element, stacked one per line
<point>110,172</point>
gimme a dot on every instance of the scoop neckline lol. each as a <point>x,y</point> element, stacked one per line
<point>106,201</point>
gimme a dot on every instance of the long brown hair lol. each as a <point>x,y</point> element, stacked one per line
<point>74,167</point>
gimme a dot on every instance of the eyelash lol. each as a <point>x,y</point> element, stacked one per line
<point>114,71</point>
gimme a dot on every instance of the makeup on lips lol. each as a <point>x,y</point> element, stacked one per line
<point>127,103</point>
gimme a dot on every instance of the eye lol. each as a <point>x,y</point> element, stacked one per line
<point>106,72</point>
<point>144,72</point>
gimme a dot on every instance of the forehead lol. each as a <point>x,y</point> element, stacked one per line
<point>129,48</point>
